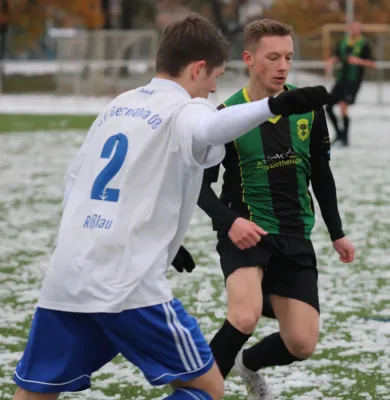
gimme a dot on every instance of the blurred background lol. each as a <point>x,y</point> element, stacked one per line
<point>102,47</point>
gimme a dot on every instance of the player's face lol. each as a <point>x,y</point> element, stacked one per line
<point>354,29</point>
<point>204,82</point>
<point>270,62</point>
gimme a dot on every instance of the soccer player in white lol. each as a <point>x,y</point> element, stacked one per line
<point>130,194</point>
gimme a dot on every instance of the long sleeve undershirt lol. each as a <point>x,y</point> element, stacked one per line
<point>324,189</point>
<point>222,217</point>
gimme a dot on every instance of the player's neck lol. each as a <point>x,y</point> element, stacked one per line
<point>257,92</point>
<point>354,38</point>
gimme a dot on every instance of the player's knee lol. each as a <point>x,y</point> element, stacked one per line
<point>22,394</point>
<point>302,343</point>
<point>211,384</point>
<point>343,108</point>
<point>217,392</point>
<point>214,387</point>
<point>245,319</point>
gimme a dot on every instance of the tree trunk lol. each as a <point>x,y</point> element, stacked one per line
<point>3,38</point>
<point>127,14</point>
<point>217,12</point>
<point>107,14</point>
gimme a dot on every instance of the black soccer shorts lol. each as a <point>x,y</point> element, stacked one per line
<point>289,264</point>
<point>345,91</point>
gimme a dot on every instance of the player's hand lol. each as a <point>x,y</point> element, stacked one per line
<point>329,72</point>
<point>354,60</point>
<point>183,260</point>
<point>345,248</point>
<point>245,234</point>
<point>299,101</point>
<point>329,69</point>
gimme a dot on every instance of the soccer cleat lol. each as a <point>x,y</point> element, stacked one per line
<point>255,383</point>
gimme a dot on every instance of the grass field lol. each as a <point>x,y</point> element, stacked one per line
<point>36,122</point>
<point>352,361</point>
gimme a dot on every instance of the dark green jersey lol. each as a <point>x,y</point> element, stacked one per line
<point>267,170</point>
<point>358,48</point>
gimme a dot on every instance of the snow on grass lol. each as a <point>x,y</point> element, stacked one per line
<point>352,360</point>
<point>369,94</point>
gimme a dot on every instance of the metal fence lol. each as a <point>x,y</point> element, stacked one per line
<point>108,62</point>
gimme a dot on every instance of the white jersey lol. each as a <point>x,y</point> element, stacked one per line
<point>131,192</point>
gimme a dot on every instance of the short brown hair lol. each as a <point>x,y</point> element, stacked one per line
<point>191,39</point>
<point>260,28</point>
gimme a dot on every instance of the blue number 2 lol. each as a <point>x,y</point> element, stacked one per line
<point>99,189</point>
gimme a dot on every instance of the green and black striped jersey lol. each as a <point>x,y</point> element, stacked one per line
<point>267,170</point>
<point>358,48</point>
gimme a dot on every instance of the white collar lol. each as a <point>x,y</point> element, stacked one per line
<point>168,82</point>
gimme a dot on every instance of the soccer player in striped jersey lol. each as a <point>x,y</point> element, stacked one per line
<point>130,194</point>
<point>266,185</point>
<point>354,54</point>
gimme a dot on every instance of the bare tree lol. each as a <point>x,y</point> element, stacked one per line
<point>229,29</point>
<point>4,11</point>
<point>105,4</point>
<point>128,8</point>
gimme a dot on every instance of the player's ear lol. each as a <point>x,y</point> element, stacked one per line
<point>197,68</point>
<point>248,58</point>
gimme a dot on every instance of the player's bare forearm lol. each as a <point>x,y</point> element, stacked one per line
<point>363,62</point>
<point>370,63</point>
<point>329,65</point>
<point>367,63</point>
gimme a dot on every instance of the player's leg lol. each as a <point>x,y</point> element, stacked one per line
<point>298,324</point>
<point>47,368</point>
<point>243,285</point>
<point>208,386</point>
<point>344,113</point>
<point>296,341</point>
<point>336,93</point>
<point>22,394</point>
<point>352,89</point>
<point>244,310</point>
<point>189,394</point>
<point>242,297</point>
<point>291,278</point>
<point>166,343</point>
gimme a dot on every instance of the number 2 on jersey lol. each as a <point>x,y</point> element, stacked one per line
<point>99,189</point>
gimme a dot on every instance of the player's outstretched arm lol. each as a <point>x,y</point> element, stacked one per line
<point>228,124</point>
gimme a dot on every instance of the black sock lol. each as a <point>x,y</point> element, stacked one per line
<point>346,127</point>
<point>225,345</point>
<point>333,119</point>
<point>267,353</point>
